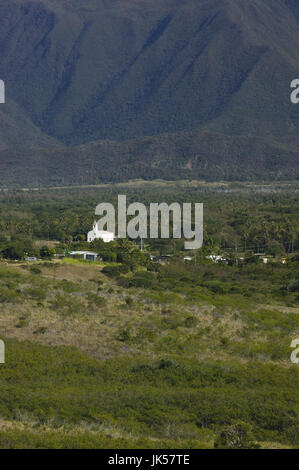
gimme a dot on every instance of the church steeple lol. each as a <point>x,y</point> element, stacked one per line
<point>96,234</point>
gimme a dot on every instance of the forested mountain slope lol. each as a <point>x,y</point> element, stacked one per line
<point>119,70</point>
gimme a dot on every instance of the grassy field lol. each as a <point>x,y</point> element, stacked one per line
<point>126,353</point>
<point>94,361</point>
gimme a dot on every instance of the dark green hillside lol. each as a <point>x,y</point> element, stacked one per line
<point>78,72</point>
<point>202,155</point>
<point>119,70</point>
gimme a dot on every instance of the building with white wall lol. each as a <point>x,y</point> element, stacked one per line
<point>96,234</point>
<point>86,255</point>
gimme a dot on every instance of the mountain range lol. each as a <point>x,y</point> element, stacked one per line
<point>110,90</point>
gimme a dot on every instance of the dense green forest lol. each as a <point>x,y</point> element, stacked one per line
<point>127,352</point>
<point>174,89</point>
<point>239,217</point>
<point>194,155</point>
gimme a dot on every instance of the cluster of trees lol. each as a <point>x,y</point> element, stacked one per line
<point>17,248</point>
<point>121,251</point>
<point>246,222</point>
<point>183,399</point>
<point>263,233</point>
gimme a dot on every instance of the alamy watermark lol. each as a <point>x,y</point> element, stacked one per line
<point>295,93</point>
<point>2,92</point>
<point>2,352</point>
<point>184,223</point>
<point>295,353</point>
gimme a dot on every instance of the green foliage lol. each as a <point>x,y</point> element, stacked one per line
<point>35,270</point>
<point>237,436</point>
<point>115,271</point>
<point>47,252</point>
<point>293,286</point>
<point>67,305</point>
<point>144,279</point>
<point>36,293</point>
<point>156,99</point>
<point>191,322</point>
<point>166,398</point>
<point>13,252</point>
<point>129,301</point>
<point>96,300</point>
<point>23,321</point>
<point>40,331</point>
<point>188,354</point>
<point>10,296</point>
<point>68,286</point>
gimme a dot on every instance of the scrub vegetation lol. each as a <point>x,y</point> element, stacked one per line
<point>129,353</point>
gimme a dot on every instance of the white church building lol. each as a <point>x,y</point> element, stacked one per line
<point>96,234</point>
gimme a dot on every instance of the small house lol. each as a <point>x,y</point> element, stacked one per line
<point>163,259</point>
<point>217,259</point>
<point>86,255</point>
<point>30,258</point>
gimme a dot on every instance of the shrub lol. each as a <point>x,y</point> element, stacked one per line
<point>67,305</point>
<point>190,322</point>
<point>9,295</point>
<point>36,293</point>
<point>124,335</point>
<point>293,286</point>
<point>40,331</point>
<point>35,270</point>
<point>68,286</point>
<point>47,252</point>
<point>115,271</point>
<point>144,279</point>
<point>237,436</point>
<point>129,301</point>
<point>23,321</point>
<point>96,300</point>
